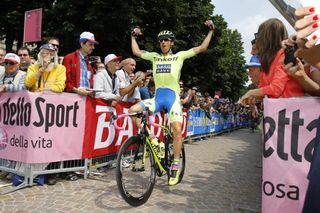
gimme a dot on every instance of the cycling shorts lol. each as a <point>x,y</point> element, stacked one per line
<point>166,99</point>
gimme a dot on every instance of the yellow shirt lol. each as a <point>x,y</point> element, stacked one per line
<point>53,81</point>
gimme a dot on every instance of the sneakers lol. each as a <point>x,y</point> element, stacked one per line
<point>175,174</point>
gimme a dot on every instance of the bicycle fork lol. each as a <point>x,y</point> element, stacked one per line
<point>154,153</point>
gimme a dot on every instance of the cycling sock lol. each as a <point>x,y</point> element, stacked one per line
<point>175,164</point>
<point>176,161</point>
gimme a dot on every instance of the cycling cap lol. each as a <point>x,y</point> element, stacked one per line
<point>166,34</point>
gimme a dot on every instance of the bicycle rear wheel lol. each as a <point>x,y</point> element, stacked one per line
<point>135,172</point>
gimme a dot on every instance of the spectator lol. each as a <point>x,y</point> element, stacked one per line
<point>307,23</point>
<point>186,96</point>
<point>187,104</point>
<point>107,82</point>
<point>127,85</point>
<point>47,73</point>
<point>12,79</point>
<point>25,60</point>
<point>79,71</point>
<point>308,77</point>
<point>55,42</point>
<point>254,50</point>
<point>275,81</point>
<point>136,96</point>
<point>2,54</point>
<point>215,103</point>
<point>146,91</point>
<point>254,69</point>
<point>97,67</point>
<point>94,60</point>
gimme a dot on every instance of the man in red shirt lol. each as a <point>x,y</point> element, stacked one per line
<point>78,69</point>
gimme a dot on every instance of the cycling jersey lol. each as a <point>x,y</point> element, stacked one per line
<point>167,69</point>
<point>166,75</point>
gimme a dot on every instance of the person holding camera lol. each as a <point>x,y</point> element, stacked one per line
<point>304,50</point>
<point>274,81</point>
<point>46,73</point>
<point>309,78</point>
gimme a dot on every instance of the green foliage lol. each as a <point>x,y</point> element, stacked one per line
<point>220,67</point>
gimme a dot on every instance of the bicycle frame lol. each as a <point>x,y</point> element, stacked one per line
<point>153,149</point>
<point>145,134</point>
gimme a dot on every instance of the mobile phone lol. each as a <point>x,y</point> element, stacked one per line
<point>289,55</point>
<point>316,5</point>
<point>95,90</point>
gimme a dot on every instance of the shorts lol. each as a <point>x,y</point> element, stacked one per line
<point>166,99</point>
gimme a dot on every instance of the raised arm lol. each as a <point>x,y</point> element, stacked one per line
<point>203,47</point>
<point>134,45</point>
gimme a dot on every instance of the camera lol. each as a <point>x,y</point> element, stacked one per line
<point>289,55</point>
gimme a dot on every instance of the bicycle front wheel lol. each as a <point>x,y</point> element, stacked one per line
<point>136,171</point>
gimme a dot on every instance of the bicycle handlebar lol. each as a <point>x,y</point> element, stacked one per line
<point>153,123</point>
<point>130,114</point>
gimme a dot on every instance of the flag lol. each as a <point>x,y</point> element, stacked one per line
<point>32,25</point>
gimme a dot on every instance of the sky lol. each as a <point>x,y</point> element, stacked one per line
<point>246,16</point>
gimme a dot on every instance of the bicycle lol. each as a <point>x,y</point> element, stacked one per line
<point>139,160</point>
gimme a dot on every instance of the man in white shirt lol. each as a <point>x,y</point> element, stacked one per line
<point>127,87</point>
<point>106,82</point>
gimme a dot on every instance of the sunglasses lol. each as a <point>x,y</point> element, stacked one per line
<point>23,55</point>
<point>164,39</point>
<point>9,63</point>
<point>56,45</point>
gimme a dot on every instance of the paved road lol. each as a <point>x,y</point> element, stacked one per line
<point>223,174</point>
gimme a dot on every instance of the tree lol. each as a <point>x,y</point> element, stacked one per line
<point>219,68</point>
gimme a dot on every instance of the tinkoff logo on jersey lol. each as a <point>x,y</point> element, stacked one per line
<point>163,68</point>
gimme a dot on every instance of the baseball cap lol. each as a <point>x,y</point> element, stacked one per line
<point>254,62</point>
<point>87,36</point>
<point>111,57</point>
<point>48,47</point>
<point>12,57</point>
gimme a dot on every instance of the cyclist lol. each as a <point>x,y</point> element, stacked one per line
<point>166,73</point>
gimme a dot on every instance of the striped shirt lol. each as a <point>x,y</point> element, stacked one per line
<point>8,79</point>
<point>85,74</point>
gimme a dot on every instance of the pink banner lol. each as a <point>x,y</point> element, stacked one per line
<point>290,131</point>
<point>32,25</point>
<point>41,127</point>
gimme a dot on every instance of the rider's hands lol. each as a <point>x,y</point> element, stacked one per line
<point>136,32</point>
<point>209,23</point>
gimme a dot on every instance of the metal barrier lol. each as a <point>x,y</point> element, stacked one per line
<point>30,171</point>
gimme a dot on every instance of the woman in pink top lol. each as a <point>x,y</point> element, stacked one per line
<point>275,81</point>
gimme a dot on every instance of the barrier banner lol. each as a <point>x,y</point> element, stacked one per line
<point>102,138</point>
<point>41,127</point>
<point>48,127</point>
<point>190,123</point>
<point>290,133</point>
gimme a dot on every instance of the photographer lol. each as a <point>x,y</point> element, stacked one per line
<point>275,81</point>
<point>308,76</point>
<point>46,73</point>
<point>310,81</point>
